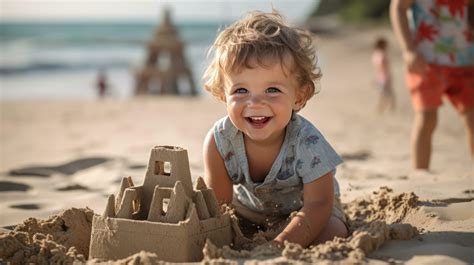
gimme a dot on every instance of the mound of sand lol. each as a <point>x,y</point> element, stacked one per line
<point>62,238</point>
<point>23,248</point>
<point>373,221</point>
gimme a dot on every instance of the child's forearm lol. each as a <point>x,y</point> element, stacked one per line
<point>470,14</point>
<point>306,226</point>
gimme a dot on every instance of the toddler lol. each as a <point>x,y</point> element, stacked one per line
<point>264,158</point>
<point>383,78</point>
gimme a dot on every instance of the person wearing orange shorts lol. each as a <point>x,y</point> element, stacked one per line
<point>455,83</point>
<point>439,55</point>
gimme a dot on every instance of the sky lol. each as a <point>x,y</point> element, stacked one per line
<point>146,10</point>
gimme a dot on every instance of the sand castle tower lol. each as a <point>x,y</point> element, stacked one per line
<point>165,215</point>
<point>165,66</point>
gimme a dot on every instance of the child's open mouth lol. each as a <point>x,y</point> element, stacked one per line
<point>258,121</point>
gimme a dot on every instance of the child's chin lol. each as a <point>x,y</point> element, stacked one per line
<point>257,137</point>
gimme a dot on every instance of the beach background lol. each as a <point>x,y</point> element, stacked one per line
<point>41,55</point>
<point>62,147</point>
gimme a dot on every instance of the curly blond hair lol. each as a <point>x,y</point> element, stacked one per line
<point>262,36</point>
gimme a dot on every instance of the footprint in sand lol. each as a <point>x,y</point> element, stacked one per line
<point>357,155</point>
<point>26,206</point>
<point>13,186</point>
<point>137,166</point>
<point>66,169</point>
<point>471,192</point>
<point>70,187</point>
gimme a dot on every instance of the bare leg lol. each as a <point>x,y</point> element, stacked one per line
<point>390,95</point>
<point>423,128</point>
<point>469,122</point>
<point>335,227</point>
<point>392,103</point>
<point>389,103</point>
<point>380,104</point>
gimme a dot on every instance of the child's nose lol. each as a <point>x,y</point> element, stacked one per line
<point>256,100</point>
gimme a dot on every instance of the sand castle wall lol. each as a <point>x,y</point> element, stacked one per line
<point>136,219</point>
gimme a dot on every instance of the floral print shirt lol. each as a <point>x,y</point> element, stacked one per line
<point>304,157</point>
<point>441,32</point>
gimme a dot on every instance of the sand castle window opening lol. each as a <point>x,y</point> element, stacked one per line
<point>164,209</point>
<point>163,201</point>
<point>163,168</point>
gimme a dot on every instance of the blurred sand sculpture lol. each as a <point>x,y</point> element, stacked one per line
<point>165,65</point>
<point>137,219</point>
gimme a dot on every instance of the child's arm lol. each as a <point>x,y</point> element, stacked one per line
<point>398,15</point>
<point>305,227</point>
<point>215,174</point>
<point>470,14</point>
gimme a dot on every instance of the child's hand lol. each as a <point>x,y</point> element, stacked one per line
<point>415,62</point>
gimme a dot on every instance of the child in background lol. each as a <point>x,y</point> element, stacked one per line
<point>383,78</point>
<point>264,158</point>
<point>101,84</point>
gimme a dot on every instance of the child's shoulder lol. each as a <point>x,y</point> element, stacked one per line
<point>305,129</point>
<point>224,128</point>
<point>304,123</point>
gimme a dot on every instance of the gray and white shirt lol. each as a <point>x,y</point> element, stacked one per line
<point>304,157</point>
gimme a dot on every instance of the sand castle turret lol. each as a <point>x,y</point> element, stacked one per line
<point>166,215</point>
<point>165,65</point>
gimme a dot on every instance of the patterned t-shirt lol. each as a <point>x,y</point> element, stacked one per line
<point>304,157</point>
<point>441,32</point>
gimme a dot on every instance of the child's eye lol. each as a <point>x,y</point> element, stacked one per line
<point>273,90</point>
<point>240,90</point>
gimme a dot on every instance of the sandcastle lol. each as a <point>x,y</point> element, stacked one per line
<point>139,218</point>
<point>165,64</point>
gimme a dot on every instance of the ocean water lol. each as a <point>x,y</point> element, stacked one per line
<point>62,60</point>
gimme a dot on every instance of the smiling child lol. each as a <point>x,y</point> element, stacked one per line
<point>264,158</point>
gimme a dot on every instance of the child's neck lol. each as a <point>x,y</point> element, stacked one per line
<point>267,143</point>
<point>262,154</point>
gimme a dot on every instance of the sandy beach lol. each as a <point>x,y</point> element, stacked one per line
<point>61,154</point>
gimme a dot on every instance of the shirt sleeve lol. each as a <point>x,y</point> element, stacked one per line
<point>222,133</point>
<point>219,136</point>
<point>315,156</point>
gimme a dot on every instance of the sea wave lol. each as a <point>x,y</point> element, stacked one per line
<point>28,48</point>
<point>60,66</point>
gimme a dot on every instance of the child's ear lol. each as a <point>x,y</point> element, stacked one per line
<point>301,97</point>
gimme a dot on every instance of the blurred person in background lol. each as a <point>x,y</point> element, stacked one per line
<point>383,78</point>
<point>438,51</point>
<point>102,84</point>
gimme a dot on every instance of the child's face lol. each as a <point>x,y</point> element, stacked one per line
<point>260,100</point>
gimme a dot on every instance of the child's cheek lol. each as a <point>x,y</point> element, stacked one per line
<point>237,99</point>
<point>274,99</point>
